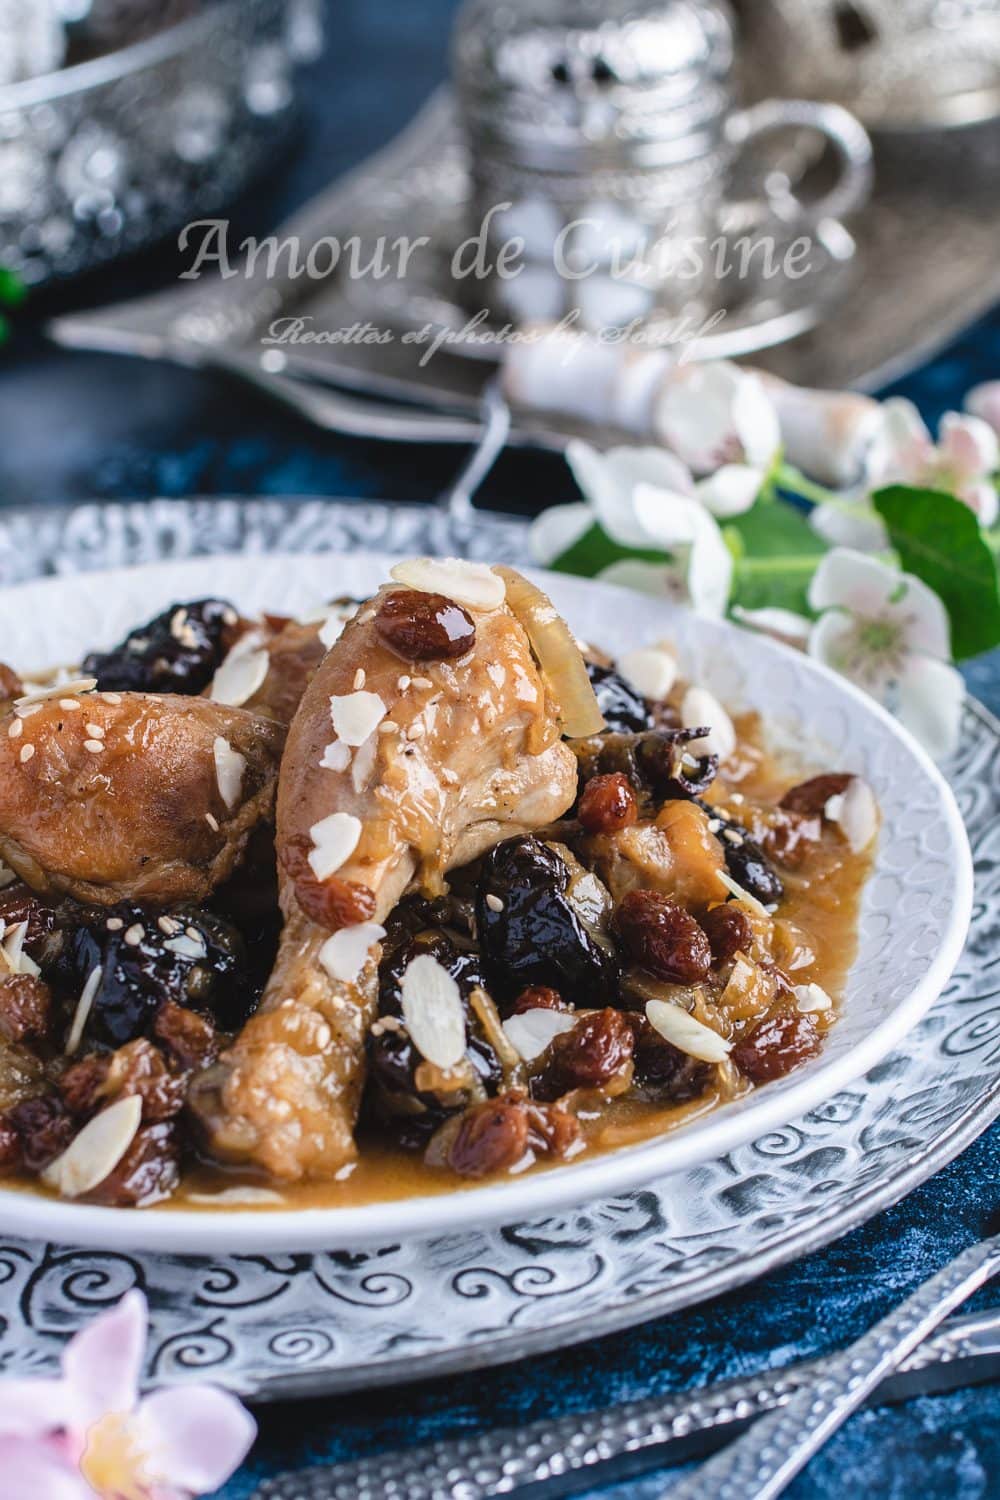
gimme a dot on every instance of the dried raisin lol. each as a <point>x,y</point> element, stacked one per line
<point>775,1046</point>
<point>424,627</point>
<point>608,804</point>
<point>588,1057</point>
<point>728,931</point>
<point>663,938</point>
<point>812,796</point>
<point>25,1008</point>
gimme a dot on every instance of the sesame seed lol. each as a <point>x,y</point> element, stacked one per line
<point>15,729</point>
<point>388,726</point>
<point>135,934</point>
<point>230,616</point>
<point>359,679</point>
<point>493,902</point>
<point>95,731</point>
<point>422,682</point>
<point>71,705</point>
<point>114,924</point>
<point>213,823</point>
<point>27,751</point>
<point>193,934</point>
<point>737,799</point>
<point>112,697</point>
<point>415,731</point>
<point>169,925</point>
<point>732,836</point>
<point>714,825</point>
<point>402,683</point>
<point>94,746</point>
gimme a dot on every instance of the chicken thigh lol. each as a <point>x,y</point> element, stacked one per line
<point>394,773</point>
<point>112,796</point>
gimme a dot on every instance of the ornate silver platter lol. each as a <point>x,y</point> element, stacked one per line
<point>272,1326</point>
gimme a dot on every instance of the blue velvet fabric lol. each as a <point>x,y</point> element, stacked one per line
<point>84,425</point>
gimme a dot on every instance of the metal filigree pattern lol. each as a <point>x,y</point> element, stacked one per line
<point>271,1325</point>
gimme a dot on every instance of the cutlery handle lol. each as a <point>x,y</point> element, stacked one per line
<point>759,1465</point>
<point>589,1449</point>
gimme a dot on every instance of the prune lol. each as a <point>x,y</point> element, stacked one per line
<point>147,1173</point>
<point>393,1059</point>
<point>588,1057</point>
<point>531,933</point>
<point>538,997</point>
<point>44,1129</point>
<point>145,958</point>
<point>424,627</point>
<point>812,796</point>
<point>177,652</point>
<point>663,938</point>
<point>625,711</point>
<point>662,1073</point>
<point>608,803</point>
<point>728,931</point>
<point>25,1008</point>
<point>775,1046</point>
<point>745,859</point>
<point>10,1149</point>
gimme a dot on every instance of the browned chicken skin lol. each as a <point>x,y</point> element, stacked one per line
<point>120,796</point>
<point>474,755</point>
<point>295,652</point>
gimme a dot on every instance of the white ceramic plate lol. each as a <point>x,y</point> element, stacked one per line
<point>914,919</point>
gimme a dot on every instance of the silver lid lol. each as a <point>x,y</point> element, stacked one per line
<point>613,75</point>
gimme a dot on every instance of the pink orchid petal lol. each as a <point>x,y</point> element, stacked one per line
<point>902,449</point>
<point>851,580</point>
<point>31,1408</point>
<point>197,1436</point>
<point>31,1471</point>
<point>968,446</point>
<point>102,1364</point>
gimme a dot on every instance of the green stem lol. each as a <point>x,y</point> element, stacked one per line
<point>790,478</point>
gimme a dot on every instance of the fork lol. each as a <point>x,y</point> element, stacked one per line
<point>761,1464</point>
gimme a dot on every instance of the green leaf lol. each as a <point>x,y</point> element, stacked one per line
<point>776,553</point>
<point>595,550</point>
<point>12,289</point>
<point>938,539</point>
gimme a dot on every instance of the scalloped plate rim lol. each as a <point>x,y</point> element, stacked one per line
<point>710,1136</point>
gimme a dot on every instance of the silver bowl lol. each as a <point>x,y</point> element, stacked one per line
<point>99,159</point>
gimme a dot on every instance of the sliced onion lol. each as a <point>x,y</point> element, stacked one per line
<point>559,658</point>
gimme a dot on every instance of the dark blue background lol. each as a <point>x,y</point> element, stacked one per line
<point>81,425</point>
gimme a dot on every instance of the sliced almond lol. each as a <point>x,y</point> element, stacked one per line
<point>242,672</point>
<point>334,841</point>
<point>855,812</point>
<point>685,1033</point>
<point>12,952</point>
<point>186,946</point>
<point>344,955</point>
<point>432,1011</point>
<point>652,671</point>
<point>355,716</point>
<point>97,1150</point>
<point>473,584</point>
<point>702,709</point>
<point>332,629</point>
<point>531,1032</point>
<point>238,1197</point>
<point>735,889</point>
<point>229,768</point>
<point>811,998</point>
<point>55,690</point>
<point>336,756</point>
<point>84,1006</point>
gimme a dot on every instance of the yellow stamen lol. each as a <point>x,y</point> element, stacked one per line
<point>113,1464</point>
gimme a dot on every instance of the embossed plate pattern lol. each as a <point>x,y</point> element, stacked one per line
<point>287,1323</point>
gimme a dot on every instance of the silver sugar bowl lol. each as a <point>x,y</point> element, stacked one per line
<point>603,136</point>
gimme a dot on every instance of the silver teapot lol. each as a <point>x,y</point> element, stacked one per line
<point>603,136</point>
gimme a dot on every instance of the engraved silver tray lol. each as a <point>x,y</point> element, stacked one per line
<point>295,1324</point>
